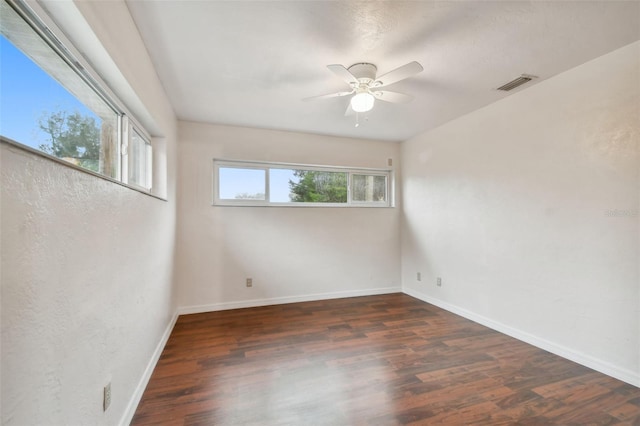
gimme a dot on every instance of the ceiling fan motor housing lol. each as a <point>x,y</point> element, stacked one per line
<point>364,72</point>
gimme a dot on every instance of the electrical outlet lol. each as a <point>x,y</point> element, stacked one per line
<point>249,282</point>
<point>439,282</point>
<point>106,397</point>
<point>419,276</point>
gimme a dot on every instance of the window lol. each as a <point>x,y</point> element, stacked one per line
<point>242,184</point>
<point>308,186</point>
<point>137,159</point>
<point>369,188</point>
<point>239,183</point>
<point>53,104</point>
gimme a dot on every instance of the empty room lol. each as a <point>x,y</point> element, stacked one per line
<point>319,212</point>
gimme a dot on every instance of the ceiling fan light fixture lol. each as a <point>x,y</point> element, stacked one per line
<point>361,78</point>
<point>362,102</point>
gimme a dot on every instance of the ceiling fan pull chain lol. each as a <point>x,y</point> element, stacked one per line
<point>357,119</point>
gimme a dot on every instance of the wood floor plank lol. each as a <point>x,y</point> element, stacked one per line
<point>378,360</point>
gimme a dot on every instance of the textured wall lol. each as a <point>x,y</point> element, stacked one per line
<point>87,265</point>
<point>528,210</point>
<point>287,251</point>
<point>86,291</point>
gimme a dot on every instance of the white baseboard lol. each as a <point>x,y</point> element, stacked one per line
<point>282,300</point>
<point>144,380</point>
<point>598,365</point>
<point>627,376</point>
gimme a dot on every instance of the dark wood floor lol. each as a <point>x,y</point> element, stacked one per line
<point>379,360</point>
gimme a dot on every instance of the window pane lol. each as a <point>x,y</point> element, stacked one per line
<point>139,164</point>
<point>369,188</point>
<point>46,105</point>
<point>310,186</point>
<point>241,184</point>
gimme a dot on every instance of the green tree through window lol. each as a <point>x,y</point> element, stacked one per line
<point>318,187</point>
<point>73,137</point>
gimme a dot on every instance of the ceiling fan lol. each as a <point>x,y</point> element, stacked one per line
<point>361,77</point>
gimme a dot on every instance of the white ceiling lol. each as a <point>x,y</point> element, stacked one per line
<point>250,63</point>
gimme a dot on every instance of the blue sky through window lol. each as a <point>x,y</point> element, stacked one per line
<point>279,189</point>
<point>248,183</point>
<point>26,93</point>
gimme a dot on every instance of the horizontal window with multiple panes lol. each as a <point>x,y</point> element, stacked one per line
<point>238,183</point>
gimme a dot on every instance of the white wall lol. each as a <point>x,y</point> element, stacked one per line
<point>509,205</point>
<point>87,264</point>
<point>292,253</point>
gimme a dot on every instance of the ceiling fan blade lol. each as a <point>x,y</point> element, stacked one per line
<point>398,74</point>
<point>330,95</point>
<point>393,97</point>
<point>343,73</point>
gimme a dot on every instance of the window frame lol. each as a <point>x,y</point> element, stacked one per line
<point>129,126</point>
<point>385,203</point>
<point>267,166</point>
<point>39,21</point>
<point>239,201</point>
